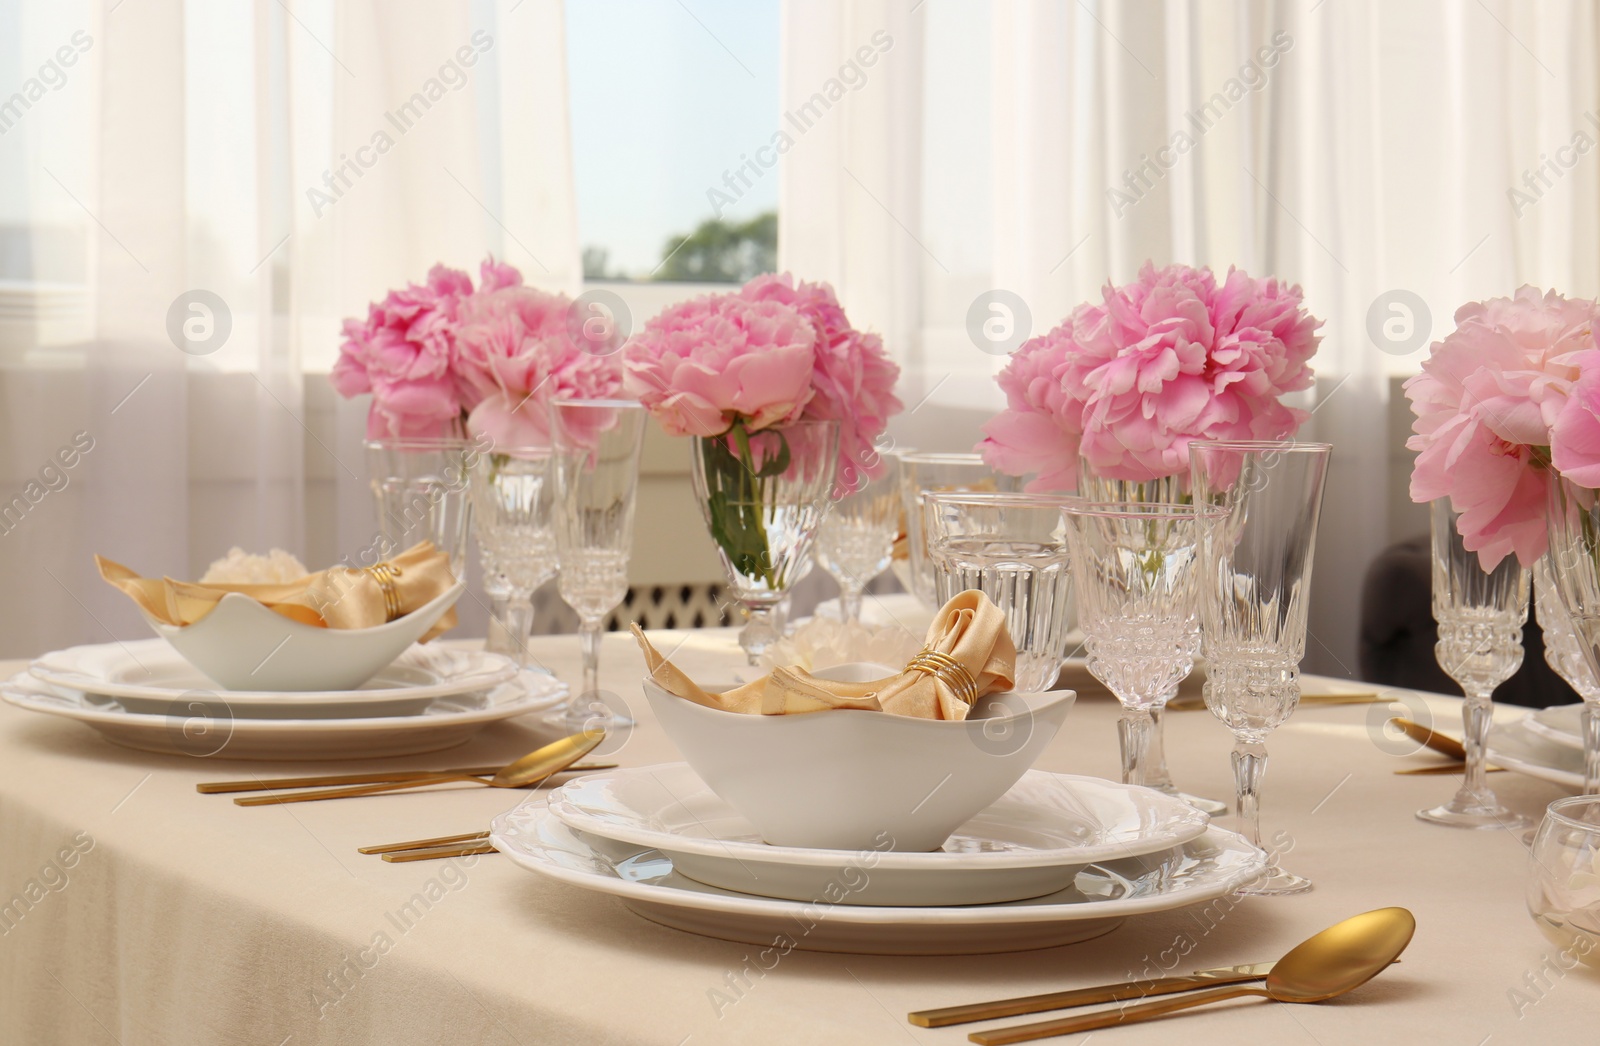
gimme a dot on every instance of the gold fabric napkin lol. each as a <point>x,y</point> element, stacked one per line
<point>969,631</point>
<point>340,597</point>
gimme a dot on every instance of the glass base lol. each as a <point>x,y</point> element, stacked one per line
<point>1206,806</point>
<point>578,714</point>
<point>1475,817</point>
<point>1274,883</point>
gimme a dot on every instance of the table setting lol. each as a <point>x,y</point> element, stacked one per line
<point>833,826</point>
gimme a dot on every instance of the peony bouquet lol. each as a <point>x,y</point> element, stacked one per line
<point>1504,403</point>
<point>1126,384</point>
<point>737,369</point>
<point>443,356</point>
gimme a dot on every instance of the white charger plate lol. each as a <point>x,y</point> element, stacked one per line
<point>147,675</point>
<point>1517,746</point>
<point>1562,724</point>
<point>203,725</point>
<point>1031,842</point>
<point>1100,898</point>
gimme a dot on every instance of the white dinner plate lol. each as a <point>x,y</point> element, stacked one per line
<point>147,675</point>
<point>204,725</point>
<point>1562,724</point>
<point>1102,895</point>
<point>1516,746</point>
<point>1031,842</point>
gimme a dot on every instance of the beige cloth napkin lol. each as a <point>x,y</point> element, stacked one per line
<point>969,628</point>
<point>340,597</point>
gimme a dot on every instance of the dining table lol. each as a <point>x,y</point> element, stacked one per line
<point>135,910</point>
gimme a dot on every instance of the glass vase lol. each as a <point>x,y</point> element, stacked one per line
<point>763,495</point>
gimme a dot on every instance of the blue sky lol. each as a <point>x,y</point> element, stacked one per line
<point>665,98</point>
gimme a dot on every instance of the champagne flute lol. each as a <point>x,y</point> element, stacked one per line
<point>511,500</point>
<point>855,541</point>
<point>1257,593</point>
<point>596,478</point>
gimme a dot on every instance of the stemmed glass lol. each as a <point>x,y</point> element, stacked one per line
<point>1564,654</point>
<point>1137,571</point>
<point>596,475</point>
<point>511,500</point>
<point>856,539</point>
<point>1480,615</point>
<point>1012,548</point>
<point>1574,572</point>
<point>1257,562</point>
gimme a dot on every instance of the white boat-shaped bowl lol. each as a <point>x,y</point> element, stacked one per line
<point>848,779</point>
<point>243,645</point>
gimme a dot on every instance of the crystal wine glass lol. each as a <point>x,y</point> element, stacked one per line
<point>1573,523</point>
<point>856,539</point>
<point>1480,615</point>
<point>1564,654</point>
<point>1168,490</point>
<point>511,499</point>
<point>1013,549</point>
<point>596,476</point>
<point>1257,593</point>
<point>1564,886</point>
<point>1137,571</point>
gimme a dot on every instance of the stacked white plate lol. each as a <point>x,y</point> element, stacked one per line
<point>1547,744</point>
<point>1058,859</point>
<point>142,694</point>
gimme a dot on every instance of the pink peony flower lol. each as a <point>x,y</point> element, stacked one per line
<point>1170,358</point>
<point>703,364</point>
<point>402,354</point>
<point>1575,435</point>
<point>852,377</point>
<point>1486,401</point>
<point>516,354</point>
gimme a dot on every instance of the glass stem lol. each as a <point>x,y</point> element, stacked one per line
<point>589,635</point>
<point>850,602</point>
<point>497,640</point>
<point>1591,748</point>
<point>1134,729</point>
<point>518,622</point>
<point>1249,766</point>
<point>1476,715</point>
<point>1156,774</point>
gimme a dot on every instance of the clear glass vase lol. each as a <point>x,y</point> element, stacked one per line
<point>763,495</point>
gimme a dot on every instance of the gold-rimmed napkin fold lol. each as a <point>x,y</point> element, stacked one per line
<point>340,597</point>
<point>979,657</point>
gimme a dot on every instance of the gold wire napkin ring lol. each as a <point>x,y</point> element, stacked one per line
<point>947,669</point>
<point>384,574</point>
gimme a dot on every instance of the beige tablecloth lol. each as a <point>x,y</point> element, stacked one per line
<point>162,916</point>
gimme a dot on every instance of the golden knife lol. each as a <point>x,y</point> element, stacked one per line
<point>983,1011</point>
<point>1196,703</point>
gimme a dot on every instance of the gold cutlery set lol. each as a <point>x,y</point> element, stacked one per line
<point>530,771</point>
<point>1338,960</point>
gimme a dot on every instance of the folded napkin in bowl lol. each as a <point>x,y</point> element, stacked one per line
<point>968,653</point>
<point>339,597</point>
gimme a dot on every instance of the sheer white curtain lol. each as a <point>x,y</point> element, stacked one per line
<point>1355,147</point>
<point>294,160</point>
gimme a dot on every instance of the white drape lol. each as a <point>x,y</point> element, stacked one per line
<point>235,148</point>
<point>1371,147</point>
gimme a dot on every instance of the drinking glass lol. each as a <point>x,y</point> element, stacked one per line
<point>1164,490</point>
<point>1564,884</point>
<point>596,473</point>
<point>763,495</point>
<point>420,488</point>
<point>856,539</point>
<point>923,472</point>
<point>1564,654</point>
<point>511,501</point>
<point>1480,615</point>
<point>1137,571</point>
<point>1257,591</point>
<point>1013,549</point>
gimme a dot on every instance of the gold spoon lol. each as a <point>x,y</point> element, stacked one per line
<point>1339,959</point>
<point>530,769</point>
